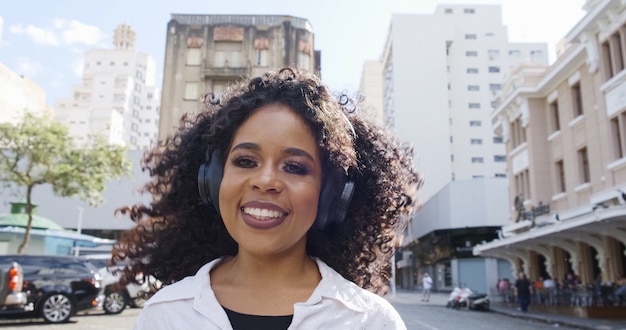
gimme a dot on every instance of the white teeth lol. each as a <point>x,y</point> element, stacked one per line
<point>261,214</point>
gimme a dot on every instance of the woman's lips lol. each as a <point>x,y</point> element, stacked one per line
<point>262,215</point>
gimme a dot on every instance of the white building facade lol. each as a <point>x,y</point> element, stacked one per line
<point>440,75</point>
<point>117,97</point>
<point>19,96</point>
<point>439,88</point>
<point>565,131</point>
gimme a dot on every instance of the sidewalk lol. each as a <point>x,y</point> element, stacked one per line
<point>440,299</point>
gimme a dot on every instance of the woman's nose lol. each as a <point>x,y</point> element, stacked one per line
<point>267,179</point>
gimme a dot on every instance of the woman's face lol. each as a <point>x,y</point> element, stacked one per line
<point>271,185</point>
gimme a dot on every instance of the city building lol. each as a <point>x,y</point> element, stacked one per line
<point>117,96</point>
<point>204,53</point>
<point>371,89</point>
<point>438,92</point>
<point>564,127</point>
<point>19,96</point>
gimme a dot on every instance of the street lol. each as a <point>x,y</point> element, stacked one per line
<point>416,314</point>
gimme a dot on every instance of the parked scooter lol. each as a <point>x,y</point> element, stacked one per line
<point>466,298</point>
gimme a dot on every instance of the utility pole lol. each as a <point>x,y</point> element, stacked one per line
<point>79,229</point>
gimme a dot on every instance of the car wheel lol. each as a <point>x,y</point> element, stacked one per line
<point>114,302</point>
<point>57,308</point>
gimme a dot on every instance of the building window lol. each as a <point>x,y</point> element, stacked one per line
<point>499,158</point>
<point>304,61</point>
<point>494,69</point>
<point>470,36</point>
<point>472,70</point>
<point>515,53</point>
<point>494,87</point>
<point>475,123</point>
<point>473,88</point>
<point>476,141</point>
<point>498,139</point>
<point>261,57</point>
<point>613,56</point>
<point>577,100</point>
<point>518,133</point>
<point>478,160</point>
<point>191,91</point>
<point>468,10</point>
<point>560,176</point>
<point>228,54</point>
<point>471,53</point>
<point>474,105</point>
<point>536,54</point>
<point>194,56</point>
<point>554,116</point>
<point>522,184</point>
<point>494,104</point>
<point>448,11</point>
<point>618,133</point>
<point>500,175</point>
<point>583,165</point>
<point>493,53</point>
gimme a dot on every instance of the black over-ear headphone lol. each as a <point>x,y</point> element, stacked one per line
<point>334,201</point>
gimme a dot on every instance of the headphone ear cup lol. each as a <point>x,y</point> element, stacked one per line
<point>209,179</point>
<point>334,201</point>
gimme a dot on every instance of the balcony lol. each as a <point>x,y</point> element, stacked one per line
<point>226,70</point>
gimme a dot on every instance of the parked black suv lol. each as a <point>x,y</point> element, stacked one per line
<point>56,286</point>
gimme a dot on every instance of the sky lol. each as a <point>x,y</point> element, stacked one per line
<point>46,40</point>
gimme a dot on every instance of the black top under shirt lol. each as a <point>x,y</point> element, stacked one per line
<point>257,322</point>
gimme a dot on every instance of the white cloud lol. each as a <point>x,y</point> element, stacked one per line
<point>38,35</point>
<point>66,32</point>
<point>77,67</point>
<point>28,67</point>
<point>75,32</point>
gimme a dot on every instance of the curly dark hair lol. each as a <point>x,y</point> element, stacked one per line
<point>177,234</point>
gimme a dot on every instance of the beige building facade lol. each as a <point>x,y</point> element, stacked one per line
<point>565,132</point>
<point>205,53</point>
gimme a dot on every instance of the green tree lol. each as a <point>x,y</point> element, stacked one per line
<point>38,151</point>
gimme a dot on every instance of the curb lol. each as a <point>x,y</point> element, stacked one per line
<point>547,320</point>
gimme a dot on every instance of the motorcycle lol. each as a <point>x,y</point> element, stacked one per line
<point>466,298</point>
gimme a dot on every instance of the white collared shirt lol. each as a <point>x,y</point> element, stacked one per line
<point>336,303</point>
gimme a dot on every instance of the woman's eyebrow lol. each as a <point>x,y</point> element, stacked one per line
<point>290,151</point>
<point>247,146</point>
<point>298,152</point>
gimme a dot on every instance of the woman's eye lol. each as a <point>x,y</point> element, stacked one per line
<point>296,168</point>
<point>244,162</point>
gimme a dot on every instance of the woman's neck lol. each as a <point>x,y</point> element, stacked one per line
<point>253,270</point>
<point>271,285</point>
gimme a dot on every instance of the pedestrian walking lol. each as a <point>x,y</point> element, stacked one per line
<point>523,291</point>
<point>427,284</point>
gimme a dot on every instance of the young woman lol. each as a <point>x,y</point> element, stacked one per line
<point>275,208</point>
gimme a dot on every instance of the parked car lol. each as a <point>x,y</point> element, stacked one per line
<point>118,295</point>
<point>56,287</point>
<point>11,282</point>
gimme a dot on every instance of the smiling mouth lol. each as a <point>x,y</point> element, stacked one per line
<point>261,214</point>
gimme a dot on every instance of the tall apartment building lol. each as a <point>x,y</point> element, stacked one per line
<point>204,53</point>
<point>564,127</point>
<point>20,95</point>
<point>439,88</point>
<point>117,97</point>
<point>438,92</point>
<point>371,89</point>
